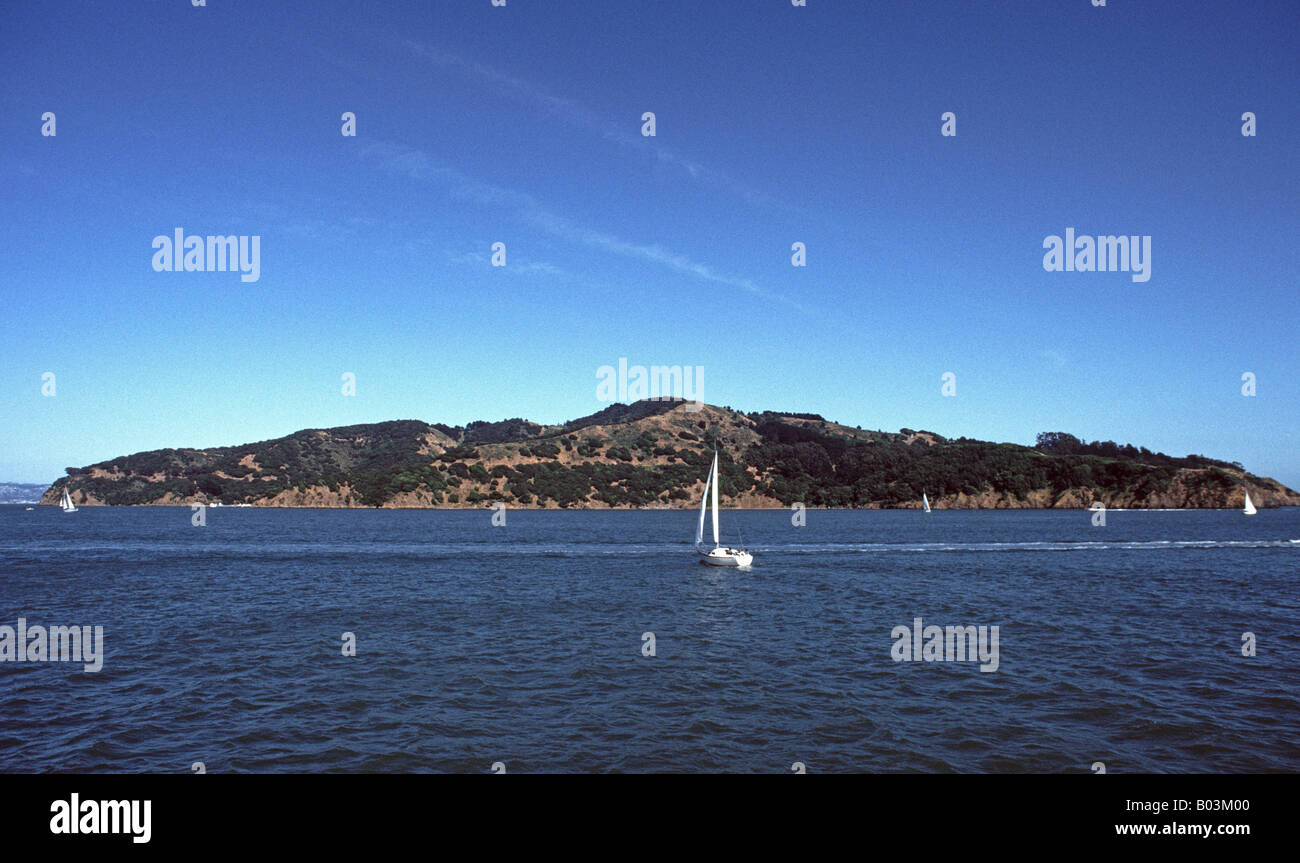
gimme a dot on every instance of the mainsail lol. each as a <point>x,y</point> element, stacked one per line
<point>704,504</point>
<point>715,498</point>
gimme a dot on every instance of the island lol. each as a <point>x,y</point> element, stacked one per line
<point>655,454</point>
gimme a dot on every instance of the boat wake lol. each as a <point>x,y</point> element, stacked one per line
<point>1064,545</point>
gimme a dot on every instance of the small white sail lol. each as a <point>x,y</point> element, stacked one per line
<point>925,502</point>
<point>66,503</point>
<point>1250,506</point>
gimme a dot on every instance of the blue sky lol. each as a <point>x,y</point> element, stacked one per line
<point>522,125</point>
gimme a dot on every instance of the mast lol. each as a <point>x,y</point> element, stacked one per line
<point>715,498</point>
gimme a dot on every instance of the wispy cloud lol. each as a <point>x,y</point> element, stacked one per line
<point>576,114</point>
<point>263,216</point>
<point>517,267</point>
<point>652,253</point>
<point>419,165</point>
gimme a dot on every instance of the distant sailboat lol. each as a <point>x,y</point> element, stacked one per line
<point>719,556</point>
<point>66,503</point>
<point>925,502</point>
<point>1249,509</point>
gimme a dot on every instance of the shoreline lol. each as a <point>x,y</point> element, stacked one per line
<point>92,505</point>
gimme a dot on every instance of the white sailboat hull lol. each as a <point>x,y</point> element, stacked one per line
<point>726,557</point>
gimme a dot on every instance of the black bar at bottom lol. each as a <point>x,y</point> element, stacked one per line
<point>329,813</point>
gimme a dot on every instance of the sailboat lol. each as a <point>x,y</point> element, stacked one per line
<point>1249,508</point>
<point>66,503</point>
<point>925,502</point>
<point>719,556</point>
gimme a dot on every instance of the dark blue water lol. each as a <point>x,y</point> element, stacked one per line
<point>523,644</point>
